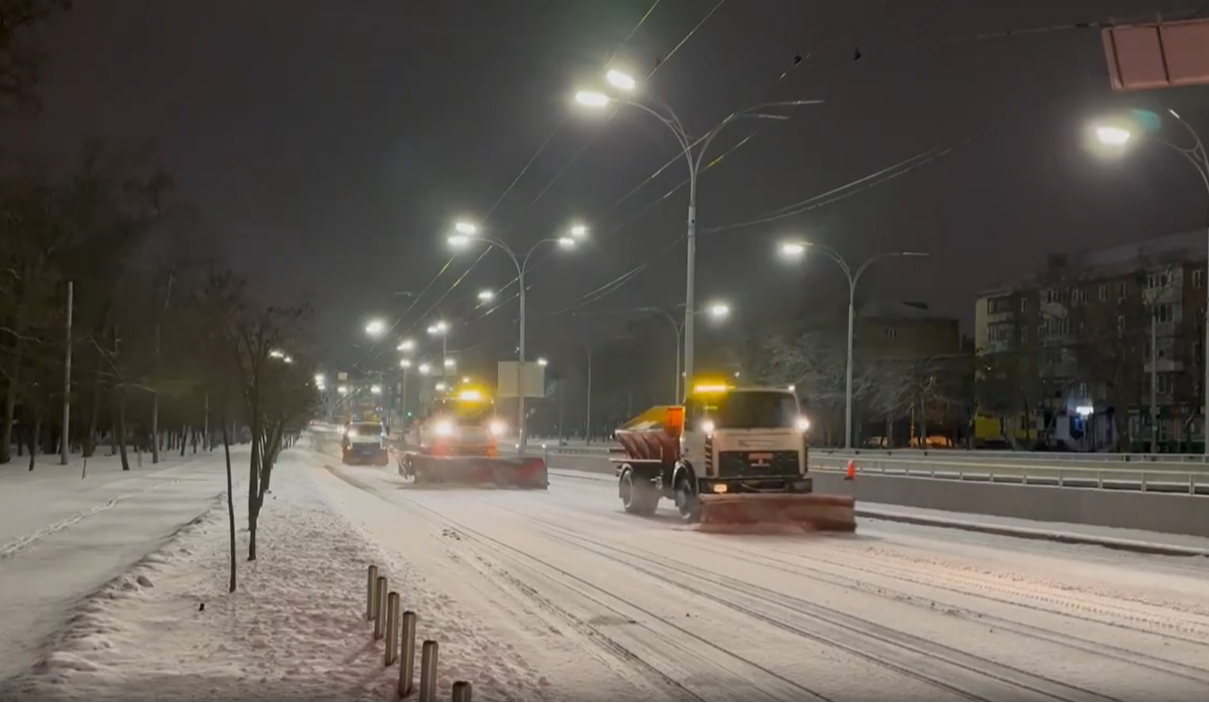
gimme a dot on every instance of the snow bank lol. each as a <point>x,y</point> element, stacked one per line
<point>294,630</point>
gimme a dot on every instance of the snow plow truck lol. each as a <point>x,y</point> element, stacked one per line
<point>728,456</point>
<point>458,443</point>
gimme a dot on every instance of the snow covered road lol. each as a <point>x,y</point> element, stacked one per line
<point>612,606</point>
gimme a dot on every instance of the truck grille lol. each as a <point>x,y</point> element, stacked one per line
<point>757,463</point>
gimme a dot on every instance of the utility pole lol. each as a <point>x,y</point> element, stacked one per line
<point>64,442</point>
<point>206,423</point>
<point>155,395</point>
<point>1154,377</point>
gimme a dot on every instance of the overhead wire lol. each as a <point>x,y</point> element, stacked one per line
<point>591,141</point>
<point>541,149</point>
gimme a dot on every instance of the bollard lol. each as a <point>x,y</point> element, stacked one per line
<point>407,659</point>
<point>428,671</point>
<point>462,691</point>
<point>379,607</point>
<point>370,599</point>
<point>392,628</point>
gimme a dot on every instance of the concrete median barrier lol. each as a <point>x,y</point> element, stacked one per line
<point>1171,513</point>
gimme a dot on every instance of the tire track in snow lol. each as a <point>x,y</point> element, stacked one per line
<point>879,641</point>
<point>1087,607</point>
<point>698,656</point>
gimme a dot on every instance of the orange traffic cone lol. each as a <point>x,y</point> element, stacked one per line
<point>851,474</point>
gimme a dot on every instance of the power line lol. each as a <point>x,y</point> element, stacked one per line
<point>501,200</point>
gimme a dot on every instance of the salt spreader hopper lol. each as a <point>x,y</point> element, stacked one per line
<point>729,456</point>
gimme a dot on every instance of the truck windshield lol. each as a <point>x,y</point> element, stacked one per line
<point>366,429</point>
<point>747,410</point>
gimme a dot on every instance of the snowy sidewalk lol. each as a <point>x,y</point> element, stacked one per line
<point>294,630</point>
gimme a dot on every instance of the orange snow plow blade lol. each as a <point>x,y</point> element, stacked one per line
<point>511,472</point>
<point>807,511</point>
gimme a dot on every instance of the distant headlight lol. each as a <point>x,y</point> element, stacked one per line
<point>707,426</point>
<point>803,423</point>
<point>444,428</point>
<point>498,428</point>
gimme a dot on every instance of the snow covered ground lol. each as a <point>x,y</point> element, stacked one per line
<point>558,595</point>
<point>62,536</point>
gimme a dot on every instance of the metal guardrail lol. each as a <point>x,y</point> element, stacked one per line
<point>1163,478</point>
<point>943,454</point>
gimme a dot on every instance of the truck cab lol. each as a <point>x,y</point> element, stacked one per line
<point>744,434</point>
<point>725,440</point>
<point>462,424</point>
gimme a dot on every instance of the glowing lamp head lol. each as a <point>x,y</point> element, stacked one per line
<point>591,98</point>
<point>621,80</point>
<point>792,250</point>
<point>1113,136</point>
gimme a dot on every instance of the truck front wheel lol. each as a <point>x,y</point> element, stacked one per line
<point>638,497</point>
<point>688,504</point>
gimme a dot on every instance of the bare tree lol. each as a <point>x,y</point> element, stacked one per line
<point>21,54</point>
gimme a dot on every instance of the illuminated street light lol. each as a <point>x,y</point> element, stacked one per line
<point>288,359</point>
<point>465,379</point>
<point>458,241</point>
<point>623,81</point>
<point>468,228</point>
<point>342,390</point>
<point>375,389</point>
<point>792,249</point>
<point>375,328</point>
<point>319,379</point>
<point>521,262</point>
<point>694,148</point>
<point>541,361</point>
<point>439,328</point>
<point>277,354</point>
<point>1113,136</point>
<point>795,250</point>
<point>405,363</point>
<point>425,369</point>
<point>440,387</point>
<point>486,295</point>
<point>450,363</point>
<point>719,310</point>
<point>406,345</point>
<point>591,98</point>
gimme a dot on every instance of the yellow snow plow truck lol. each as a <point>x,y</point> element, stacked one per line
<point>457,443</point>
<point>729,456</point>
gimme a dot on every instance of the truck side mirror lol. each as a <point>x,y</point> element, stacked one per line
<point>673,424</point>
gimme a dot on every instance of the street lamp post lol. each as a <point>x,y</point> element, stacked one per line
<point>468,233</point>
<point>404,364</point>
<point>694,151</point>
<point>679,328</point>
<point>794,250</point>
<point>1118,136</point>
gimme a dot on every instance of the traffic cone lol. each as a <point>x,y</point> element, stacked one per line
<point>851,473</point>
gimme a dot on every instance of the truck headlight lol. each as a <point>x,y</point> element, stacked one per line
<point>444,428</point>
<point>497,428</point>
<point>803,423</point>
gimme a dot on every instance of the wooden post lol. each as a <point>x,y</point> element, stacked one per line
<point>407,659</point>
<point>428,671</point>
<point>462,691</point>
<point>370,599</point>
<point>380,608</point>
<point>392,628</point>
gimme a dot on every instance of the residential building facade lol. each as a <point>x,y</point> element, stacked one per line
<point>1088,338</point>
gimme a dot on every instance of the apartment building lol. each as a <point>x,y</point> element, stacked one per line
<point>905,329</point>
<point>1079,336</point>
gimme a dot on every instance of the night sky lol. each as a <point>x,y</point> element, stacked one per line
<point>331,144</point>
